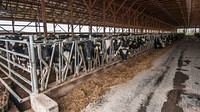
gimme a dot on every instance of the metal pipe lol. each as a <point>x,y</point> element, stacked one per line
<point>34,79</point>
<point>23,68</point>
<point>50,65</point>
<point>40,55</point>
<point>13,93</point>
<point>69,59</point>
<point>16,74</point>
<point>8,57</point>
<point>17,82</point>
<point>18,54</point>
<point>60,60</point>
<point>75,60</point>
<point>17,41</point>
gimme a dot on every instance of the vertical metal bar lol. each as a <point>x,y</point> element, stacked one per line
<point>34,79</point>
<point>78,57</point>
<point>8,56</point>
<point>60,60</point>
<point>50,65</point>
<point>75,60</point>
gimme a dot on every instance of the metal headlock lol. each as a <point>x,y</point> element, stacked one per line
<point>63,62</point>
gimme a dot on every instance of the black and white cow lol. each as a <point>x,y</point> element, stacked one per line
<point>121,46</point>
<point>142,40</point>
<point>158,42</point>
<point>18,47</point>
<point>3,46</point>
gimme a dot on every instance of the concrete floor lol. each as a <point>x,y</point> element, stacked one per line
<point>171,85</point>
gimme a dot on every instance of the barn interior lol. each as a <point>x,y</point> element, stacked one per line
<point>100,55</point>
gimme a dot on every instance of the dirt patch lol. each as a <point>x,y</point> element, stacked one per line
<point>84,93</point>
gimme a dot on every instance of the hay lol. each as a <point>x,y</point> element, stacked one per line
<point>84,93</point>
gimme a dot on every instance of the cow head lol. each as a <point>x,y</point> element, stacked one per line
<point>88,49</point>
<point>46,52</point>
<point>133,44</point>
<point>142,41</point>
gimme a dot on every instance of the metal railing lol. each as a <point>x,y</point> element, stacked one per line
<point>8,67</point>
<point>63,62</point>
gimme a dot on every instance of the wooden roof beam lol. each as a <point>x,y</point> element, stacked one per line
<point>130,7</point>
<point>120,6</point>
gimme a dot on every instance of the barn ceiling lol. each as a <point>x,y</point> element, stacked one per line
<point>176,13</point>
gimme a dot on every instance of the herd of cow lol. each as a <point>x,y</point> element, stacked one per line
<point>64,55</point>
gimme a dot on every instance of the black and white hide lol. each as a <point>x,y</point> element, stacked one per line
<point>121,46</point>
<point>20,48</point>
<point>88,50</point>
<point>158,43</point>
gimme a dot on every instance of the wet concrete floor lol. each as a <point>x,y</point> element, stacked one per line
<point>171,85</point>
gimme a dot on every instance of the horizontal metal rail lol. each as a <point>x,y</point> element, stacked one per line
<point>17,41</point>
<point>15,53</point>
<point>13,92</point>
<point>17,82</point>
<point>16,74</point>
<point>23,68</point>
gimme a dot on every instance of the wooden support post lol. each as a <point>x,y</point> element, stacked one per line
<point>71,17</point>
<point>13,25</point>
<point>129,24</point>
<point>104,17</point>
<point>90,25</point>
<point>44,17</point>
<point>122,24</point>
<point>80,27</point>
<point>90,7</point>
<point>142,24</point>
<point>54,28</point>
<point>114,24</point>
<point>36,27</point>
<point>68,27</point>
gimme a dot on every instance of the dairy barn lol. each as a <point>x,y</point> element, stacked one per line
<point>100,55</point>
